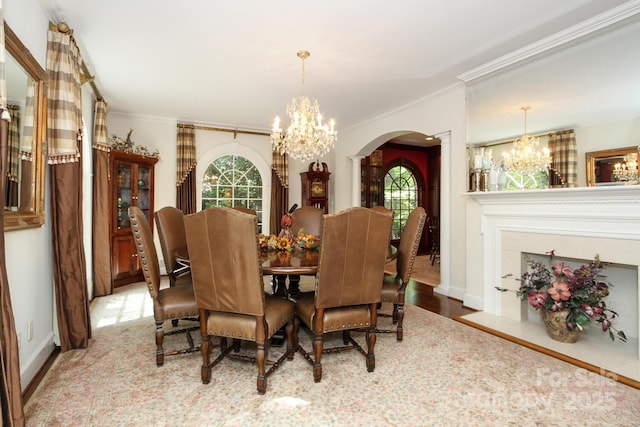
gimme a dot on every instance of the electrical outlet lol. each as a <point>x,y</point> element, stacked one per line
<point>30,330</point>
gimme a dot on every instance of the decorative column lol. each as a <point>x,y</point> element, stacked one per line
<point>355,179</point>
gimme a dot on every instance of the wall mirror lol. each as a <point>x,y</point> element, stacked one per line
<point>602,164</point>
<point>589,84</point>
<point>26,101</point>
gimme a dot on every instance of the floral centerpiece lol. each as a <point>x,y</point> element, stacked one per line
<point>307,240</point>
<point>579,294</point>
<point>276,243</point>
<point>284,243</point>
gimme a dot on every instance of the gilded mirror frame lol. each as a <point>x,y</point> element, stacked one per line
<point>17,220</point>
<point>593,156</point>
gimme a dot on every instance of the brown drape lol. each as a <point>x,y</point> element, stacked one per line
<point>564,158</point>
<point>13,156</point>
<point>279,190</point>
<point>186,164</point>
<point>11,392</point>
<point>64,133</point>
<point>102,283</point>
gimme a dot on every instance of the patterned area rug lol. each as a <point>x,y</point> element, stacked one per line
<point>443,373</point>
<point>422,272</point>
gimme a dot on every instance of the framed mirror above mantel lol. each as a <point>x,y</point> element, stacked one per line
<point>26,84</point>
<point>584,78</point>
<point>609,167</point>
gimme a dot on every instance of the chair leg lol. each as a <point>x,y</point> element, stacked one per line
<point>371,358</point>
<point>261,356</point>
<point>317,349</point>
<point>292,337</point>
<point>159,339</point>
<point>400,316</point>
<point>205,349</point>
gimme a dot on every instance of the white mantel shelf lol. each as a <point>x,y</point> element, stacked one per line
<point>577,223</point>
<point>627,193</point>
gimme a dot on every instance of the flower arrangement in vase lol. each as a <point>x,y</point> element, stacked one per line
<point>570,297</point>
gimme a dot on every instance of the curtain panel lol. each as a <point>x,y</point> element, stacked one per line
<point>11,404</point>
<point>564,158</point>
<point>64,131</point>
<point>186,164</point>
<point>279,190</point>
<point>64,98</point>
<point>102,283</point>
<point>13,156</point>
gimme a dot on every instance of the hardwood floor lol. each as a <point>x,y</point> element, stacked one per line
<point>423,296</point>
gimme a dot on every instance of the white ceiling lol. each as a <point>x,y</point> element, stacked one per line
<point>234,63</point>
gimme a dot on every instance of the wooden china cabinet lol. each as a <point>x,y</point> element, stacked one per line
<point>372,180</point>
<point>315,186</point>
<point>131,184</point>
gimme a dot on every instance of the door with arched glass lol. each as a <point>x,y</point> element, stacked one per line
<point>403,192</point>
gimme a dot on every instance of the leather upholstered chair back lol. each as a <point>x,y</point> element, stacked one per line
<point>394,286</point>
<point>245,210</point>
<point>169,303</point>
<point>410,242</point>
<point>147,254</point>
<point>309,218</point>
<point>352,257</point>
<point>351,263</point>
<point>170,224</point>
<point>223,279</point>
<point>226,270</point>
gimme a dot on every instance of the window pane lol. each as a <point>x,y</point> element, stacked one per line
<point>232,181</point>
<point>401,196</point>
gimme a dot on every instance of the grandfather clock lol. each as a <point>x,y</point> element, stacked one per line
<point>315,186</point>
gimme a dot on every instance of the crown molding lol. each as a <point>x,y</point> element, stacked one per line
<point>589,26</point>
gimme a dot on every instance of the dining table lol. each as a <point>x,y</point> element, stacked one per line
<point>289,264</point>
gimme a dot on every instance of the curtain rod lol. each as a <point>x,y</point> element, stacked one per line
<point>217,129</point>
<point>86,76</point>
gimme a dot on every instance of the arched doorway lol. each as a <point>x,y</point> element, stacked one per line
<point>421,155</point>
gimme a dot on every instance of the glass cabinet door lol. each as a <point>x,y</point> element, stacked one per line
<point>124,194</point>
<point>144,190</point>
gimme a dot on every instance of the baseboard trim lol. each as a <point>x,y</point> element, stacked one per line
<point>35,381</point>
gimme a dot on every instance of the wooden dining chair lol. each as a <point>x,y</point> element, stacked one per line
<point>348,288</point>
<point>307,218</point>
<point>173,241</point>
<point>169,303</point>
<point>394,286</point>
<point>226,269</point>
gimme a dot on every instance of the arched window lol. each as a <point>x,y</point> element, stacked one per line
<point>401,193</point>
<point>230,181</point>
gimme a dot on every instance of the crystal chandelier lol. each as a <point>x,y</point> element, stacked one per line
<point>525,158</point>
<point>628,170</point>
<point>306,137</point>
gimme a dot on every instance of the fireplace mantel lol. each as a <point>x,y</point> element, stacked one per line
<point>581,195</point>
<point>577,223</point>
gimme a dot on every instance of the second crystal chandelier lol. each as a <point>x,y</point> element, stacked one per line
<point>306,137</point>
<point>525,158</point>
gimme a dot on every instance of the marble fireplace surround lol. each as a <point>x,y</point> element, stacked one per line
<point>577,223</point>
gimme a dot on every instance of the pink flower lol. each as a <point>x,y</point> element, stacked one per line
<point>560,291</point>
<point>537,299</point>
<point>561,269</point>
<point>589,311</point>
<point>606,324</point>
